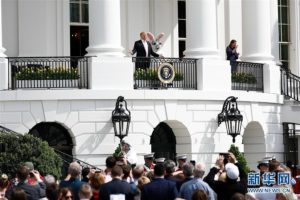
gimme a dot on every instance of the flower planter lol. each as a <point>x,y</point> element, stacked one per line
<point>70,83</point>
<point>243,86</point>
<point>148,83</point>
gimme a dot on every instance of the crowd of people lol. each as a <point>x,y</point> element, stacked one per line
<point>156,179</point>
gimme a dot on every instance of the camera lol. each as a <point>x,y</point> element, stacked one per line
<point>226,156</point>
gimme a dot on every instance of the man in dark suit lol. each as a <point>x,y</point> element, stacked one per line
<point>116,187</point>
<point>159,188</point>
<point>143,50</point>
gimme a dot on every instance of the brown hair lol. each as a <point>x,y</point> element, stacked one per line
<point>63,193</point>
<point>199,195</point>
<point>85,191</point>
<point>96,180</point>
<point>143,181</point>
<point>116,171</point>
<point>3,181</point>
<point>18,194</point>
<point>231,42</point>
<point>273,165</point>
<point>238,196</point>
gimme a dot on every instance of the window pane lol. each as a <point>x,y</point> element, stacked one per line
<point>71,1</point>
<point>181,48</point>
<point>285,33</point>
<point>280,33</point>
<point>181,10</point>
<point>284,2</point>
<point>74,12</point>
<point>85,13</point>
<point>182,28</point>
<point>284,52</point>
<point>284,15</point>
<point>279,15</point>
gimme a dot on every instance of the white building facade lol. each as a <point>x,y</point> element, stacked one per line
<point>33,28</point>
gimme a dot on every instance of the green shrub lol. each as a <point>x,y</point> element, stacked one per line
<point>239,157</point>
<point>46,73</point>
<point>241,77</point>
<point>22,148</point>
<point>152,75</point>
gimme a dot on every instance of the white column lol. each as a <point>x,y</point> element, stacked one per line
<point>105,28</point>
<point>257,31</point>
<point>3,61</point>
<point>201,29</point>
<point>2,50</point>
<point>258,38</point>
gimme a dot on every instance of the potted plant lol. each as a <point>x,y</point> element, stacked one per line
<point>242,80</point>
<point>241,77</point>
<point>45,76</point>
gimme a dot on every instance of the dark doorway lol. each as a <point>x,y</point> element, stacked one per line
<point>58,138</point>
<point>290,141</point>
<point>79,40</point>
<point>163,142</point>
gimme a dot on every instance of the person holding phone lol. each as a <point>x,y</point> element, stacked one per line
<point>232,55</point>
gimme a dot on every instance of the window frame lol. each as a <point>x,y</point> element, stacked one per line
<point>80,3</point>
<point>281,23</point>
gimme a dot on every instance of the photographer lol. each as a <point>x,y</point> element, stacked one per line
<point>32,191</point>
<point>235,177</point>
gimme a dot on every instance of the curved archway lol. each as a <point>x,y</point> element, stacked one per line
<point>163,142</point>
<point>169,138</point>
<point>58,137</point>
<point>254,144</point>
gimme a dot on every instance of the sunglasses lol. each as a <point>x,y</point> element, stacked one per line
<point>68,197</point>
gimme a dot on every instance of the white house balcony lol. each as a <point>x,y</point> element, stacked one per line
<point>188,74</point>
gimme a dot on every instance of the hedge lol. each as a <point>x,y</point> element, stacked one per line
<point>21,148</point>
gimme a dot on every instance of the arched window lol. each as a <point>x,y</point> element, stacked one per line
<point>58,138</point>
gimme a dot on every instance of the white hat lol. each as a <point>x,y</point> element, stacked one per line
<point>181,157</point>
<point>149,156</point>
<point>269,158</point>
<point>160,160</point>
<point>232,171</point>
<point>263,162</point>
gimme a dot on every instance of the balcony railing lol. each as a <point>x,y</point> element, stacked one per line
<point>48,72</point>
<point>290,84</point>
<point>147,70</point>
<point>249,77</point>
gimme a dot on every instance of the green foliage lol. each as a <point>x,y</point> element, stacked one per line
<point>46,73</point>
<point>118,152</point>
<point>241,77</point>
<point>152,74</point>
<point>22,148</point>
<point>240,157</point>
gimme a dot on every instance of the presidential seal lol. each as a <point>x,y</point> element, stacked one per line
<point>166,73</point>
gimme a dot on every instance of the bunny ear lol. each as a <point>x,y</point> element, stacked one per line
<point>150,36</point>
<point>159,36</point>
